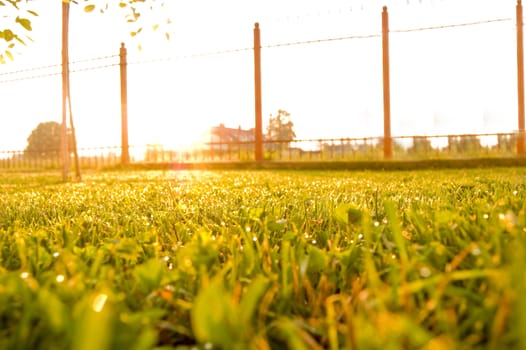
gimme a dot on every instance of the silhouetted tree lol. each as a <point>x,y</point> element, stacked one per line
<point>464,144</point>
<point>44,140</point>
<point>507,142</point>
<point>280,128</point>
<point>421,145</point>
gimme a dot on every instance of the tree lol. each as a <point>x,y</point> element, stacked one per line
<point>44,141</point>
<point>421,146</point>
<point>16,19</point>
<point>507,142</point>
<point>464,144</point>
<point>280,129</point>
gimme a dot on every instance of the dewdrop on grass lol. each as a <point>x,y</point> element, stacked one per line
<point>425,272</point>
<point>98,302</point>
<point>60,278</point>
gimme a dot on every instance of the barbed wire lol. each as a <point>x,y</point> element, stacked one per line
<point>47,75</point>
<point>57,65</point>
<point>227,51</point>
<point>190,56</point>
<point>31,77</point>
<point>316,41</point>
<point>93,59</point>
<point>446,26</point>
<point>32,69</point>
<point>78,70</point>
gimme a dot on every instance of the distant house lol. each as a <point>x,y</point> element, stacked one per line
<point>224,138</point>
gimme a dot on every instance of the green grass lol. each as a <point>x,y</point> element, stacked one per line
<point>264,260</point>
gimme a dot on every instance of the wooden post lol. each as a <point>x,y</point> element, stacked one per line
<point>257,91</point>
<point>387,97</point>
<point>65,69</point>
<point>520,78</point>
<point>125,148</point>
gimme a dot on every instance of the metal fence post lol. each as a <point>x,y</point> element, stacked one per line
<point>388,152</point>
<point>257,91</point>
<point>125,150</point>
<point>65,71</point>
<point>520,78</point>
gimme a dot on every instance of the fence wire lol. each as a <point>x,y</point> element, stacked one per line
<point>222,52</point>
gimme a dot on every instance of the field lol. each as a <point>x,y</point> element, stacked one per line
<point>264,260</point>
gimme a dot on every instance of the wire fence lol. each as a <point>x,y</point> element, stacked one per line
<point>57,68</point>
<point>332,84</point>
<point>465,146</point>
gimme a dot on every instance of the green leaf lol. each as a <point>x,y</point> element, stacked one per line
<point>53,309</point>
<point>394,224</point>
<point>256,214</point>
<point>122,4</point>
<point>155,27</point>
<point>149,274</point>
<point>340,213</point>
<point>95,316</point>
<point>24,22</point>
<point>290,331</point>
<point>250,300</point>
<point>9,55</point>
<point>214,317</point>
<point>317,260</point>
<point>32,13</point>
<point>348,214</point>
<point>354,215</point>
<point>89,8</point>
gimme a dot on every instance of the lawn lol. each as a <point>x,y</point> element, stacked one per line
<point>264,260</point>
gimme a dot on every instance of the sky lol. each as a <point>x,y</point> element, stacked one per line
<point>443,81</point>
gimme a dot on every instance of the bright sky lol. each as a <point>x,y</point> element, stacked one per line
<point>457,80</point>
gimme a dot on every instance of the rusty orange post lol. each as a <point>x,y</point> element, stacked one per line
<point>257,94</point>
<point>65,72</point>
<point>125,148</point>
<point>388,152</point>
<point>520,78</point>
